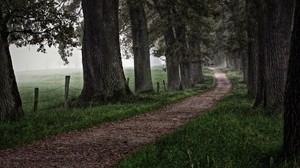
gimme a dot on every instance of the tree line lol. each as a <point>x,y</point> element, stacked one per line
<point>253,36</point>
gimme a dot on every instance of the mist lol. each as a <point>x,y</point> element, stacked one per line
<point>28,59</point>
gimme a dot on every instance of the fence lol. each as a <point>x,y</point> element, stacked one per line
<point>51,96</point>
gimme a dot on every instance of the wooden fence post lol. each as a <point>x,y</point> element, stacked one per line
<point>157,86</point>
<point>165,88</point>
<point>67,88</point>
<point>36,99</point>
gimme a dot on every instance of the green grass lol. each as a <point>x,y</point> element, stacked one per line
<point>52,121</point>
<point>232,134</point>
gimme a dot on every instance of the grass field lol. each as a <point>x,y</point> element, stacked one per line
<point>232,134</point>
<point>52,121</point>
<point>51,85</point>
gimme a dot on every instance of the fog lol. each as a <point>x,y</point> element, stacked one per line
<point>28,59</point>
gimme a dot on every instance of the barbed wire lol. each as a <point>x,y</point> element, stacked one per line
<point>76,89</point>
<point>51,90</point>
<point>52,98</point>
<point>26,94</point>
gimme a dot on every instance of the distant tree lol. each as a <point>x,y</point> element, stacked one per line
<point>275,22</point>
<point>30,22</point>
<point>291,140</point>
<point>200,20</point>
<point>188,37</point>
<point>104,79</point>
<point>141,49</point>
<point>235,39</point>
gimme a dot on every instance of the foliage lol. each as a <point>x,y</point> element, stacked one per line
<point>230,135</point>
<point>232,22</point>
<point>196,13</point>
<point>51,120</point>
<point>44,23</point>
<point>125,30</point>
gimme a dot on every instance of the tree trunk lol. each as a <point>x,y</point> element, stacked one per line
<point>252,54</point>
<point>196,62</point>
<point>104,79</point>
<point>10,101</point>
<point>185,64</point>
<point>291,140</point>
<point>277,28</point>
<point>244,66</point>
<point>172,59</point>
<point>141,51</point>
<point>219,56</point>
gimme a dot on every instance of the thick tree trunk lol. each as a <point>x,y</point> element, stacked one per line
<point>252,54</point>
<point>196,62</point>
<point>291,141</point>
<point>172,59</point>
<point>277,29</point>
<point>10,101</point>
<point>104,79</point>
<point>261,87</point>
<point>185,62</point>
<point>142,69</point>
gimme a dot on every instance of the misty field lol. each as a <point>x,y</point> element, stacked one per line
<point>51,85</point>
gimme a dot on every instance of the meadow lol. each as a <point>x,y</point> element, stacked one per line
<point>52,118</point>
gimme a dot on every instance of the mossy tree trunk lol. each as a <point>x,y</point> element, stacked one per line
<point>164,9</point>
<point>275,31</point>
<point>252,55</point>
<point>141,51</point>
<point>185,62</point>
<point>194,51</point>
<point>10,101</point>
<point>104,79</point>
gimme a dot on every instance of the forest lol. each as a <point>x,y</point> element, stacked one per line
<point>228,94</point>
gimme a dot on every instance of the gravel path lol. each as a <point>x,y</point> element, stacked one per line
<point>104,145</point>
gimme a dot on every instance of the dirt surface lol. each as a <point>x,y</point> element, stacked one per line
<point>104,145</point>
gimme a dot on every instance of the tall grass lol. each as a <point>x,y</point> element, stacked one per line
<point>232,134</point>
<point>52,121</point>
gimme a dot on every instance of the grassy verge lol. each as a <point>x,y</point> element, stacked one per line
<point>59,120</point>
<point>230,135</point>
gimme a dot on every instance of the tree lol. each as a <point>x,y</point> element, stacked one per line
<point>275,21</point>
<point>291,140</point>
<point>252,30</point>
<point>31,22</point>
<point>200,20</point>
<point>11,104</point>
<point>236,35</point>
<point>195,54</point>
<point>103,75</point>
<point>180,27</point>
<point>164,9</point>
<point>139,30</point>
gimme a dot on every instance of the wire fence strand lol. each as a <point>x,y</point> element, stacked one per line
<point>51,90</point>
